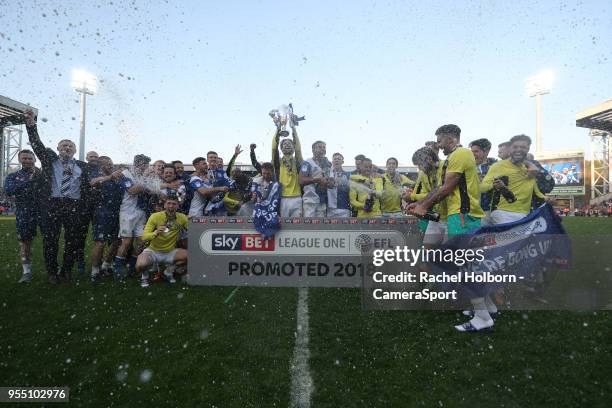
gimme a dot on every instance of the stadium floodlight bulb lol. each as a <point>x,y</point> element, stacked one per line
<point>83,81</point>
<point>541,83</point>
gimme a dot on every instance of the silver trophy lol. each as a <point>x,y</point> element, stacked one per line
<point>283,116</point>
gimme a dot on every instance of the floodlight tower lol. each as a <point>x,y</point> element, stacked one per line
<point>86,84</point>
<point>11,119</point>
<point>537,86</point>
<point>598,119</point>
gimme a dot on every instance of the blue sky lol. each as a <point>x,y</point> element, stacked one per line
<point>376,78</point>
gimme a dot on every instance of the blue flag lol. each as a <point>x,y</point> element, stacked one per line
<point>266,215</point>
<point>521,248</point>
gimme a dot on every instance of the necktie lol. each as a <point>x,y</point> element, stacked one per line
<point>66,178</point>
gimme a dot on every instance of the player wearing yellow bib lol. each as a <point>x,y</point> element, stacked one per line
<point>394,185</point>
<point>163,231</point>
<point>287,173</point>
<point>460,192</point>
<point>459,189</point>
<point>365,191</point>
<point>520,177</point>
<point>430,171</point>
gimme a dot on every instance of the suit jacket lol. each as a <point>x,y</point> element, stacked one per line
<point>47,157</point>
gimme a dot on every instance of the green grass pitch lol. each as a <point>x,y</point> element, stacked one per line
<point>120,345</point>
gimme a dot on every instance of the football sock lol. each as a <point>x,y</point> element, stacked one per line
<point>491,306</point>
<point>27,268</point>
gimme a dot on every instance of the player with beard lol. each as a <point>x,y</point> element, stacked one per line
<point>179,167</point>
<point>286,170</point>
<point>24,185</point>
<point>172,184</point>
<point>338,198</point>
<point>107,195</point>
<point>459,188</point>
<point>517,175</point>
<point>314,178</point>
<point>461,194</point>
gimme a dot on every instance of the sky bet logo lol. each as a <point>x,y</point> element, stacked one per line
<point>241,242</point>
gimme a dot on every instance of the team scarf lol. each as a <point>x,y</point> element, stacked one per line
<point>266,213</point>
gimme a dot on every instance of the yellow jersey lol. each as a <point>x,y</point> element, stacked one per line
<point>440,208</point>
<point>359,192</point>
<point>423,186</point>
<point>465,197</point>
<point>166,241</point>
<point>288,167</point>
<point>391,199</point>
<point>519,183</point>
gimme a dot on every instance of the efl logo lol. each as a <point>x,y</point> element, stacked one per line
<point>241,242</point>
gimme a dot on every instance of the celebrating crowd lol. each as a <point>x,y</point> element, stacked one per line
<point>139,215</point>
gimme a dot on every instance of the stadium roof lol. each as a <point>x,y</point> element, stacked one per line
<point>598,117</point>
<point>11,112</point>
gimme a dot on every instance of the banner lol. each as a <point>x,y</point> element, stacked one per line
<point>267,212</point>
<point>521,249</point>
<point>305,252</point>
<point>531,259</point>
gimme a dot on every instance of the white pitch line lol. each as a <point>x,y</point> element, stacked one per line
<point>301,381</point>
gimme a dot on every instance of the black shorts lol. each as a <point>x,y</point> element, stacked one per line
<point>105,226</point>
<point>27,219</point>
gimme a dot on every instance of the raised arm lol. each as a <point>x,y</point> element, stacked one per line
<point>297,145</point>
<point>46,156</point>
<point>237,151</point>
<point>254,161</point>
<point>275,154</point>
